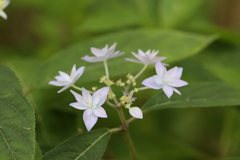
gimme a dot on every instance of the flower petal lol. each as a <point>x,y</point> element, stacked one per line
<point>160,69</point>
<point>167,90</point>
<point>77,96</point>
<point>97,52</point>
<point>86,96</point>
<point>65,76</point>
<point>6,3</point>
<point>151,83</point>
<point>89,119</point>
<point>3,14</point>
<point>178,83</point>
<point>93,59</point>
<point>64,88</point>
<point>100,112</point>
<point>78,74</point>
<point>136,112</point>
<point>59,83</point>
<point>133,60</point>
<point>177,91</point>
<point>103,92</point>
<point>78,105</point>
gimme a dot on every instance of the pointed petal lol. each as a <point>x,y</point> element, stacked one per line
<point>64,88</point>
<point>89,119</point>
<point>103,92</point>
<point>78,105</point>
<point>97,52</point>
<point>136,112</point>
<point>77,96</point>
<point>5,4</point>
<point>93,59</point>
<point>141,53</point>
<point>59,78</point>
<point>99,112</point>
<point>177,91</point>
<point>179,73</point>
<point>86,96</point>
<point>113,46</point>
<point>151,83</point>
<point>3,14</point>
<point>65,76</point>
<point>78,74</point>
<point>178,83</point>
<point>137,56</point>
<point>160,69</point>
<point>59,83</point>
<point>167,90</point>
<point>133,60</point>
<point>73,72</point>
<point>154,53</point>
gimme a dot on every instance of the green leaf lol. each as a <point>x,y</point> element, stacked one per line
<point>99,19</point>
<point>174,45</point>
<point>175,12</point>
<point>86,146</point>
<point>213,94</point>
<point>17,136</point>
<point>38,152</point>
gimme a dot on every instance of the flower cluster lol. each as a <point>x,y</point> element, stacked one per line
<point>91,102</point>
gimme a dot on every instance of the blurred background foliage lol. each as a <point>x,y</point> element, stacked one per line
<point>41,37</point>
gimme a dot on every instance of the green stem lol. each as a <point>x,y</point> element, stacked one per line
<point>78,88</point>
<point>139,73</point>
<point>106,69</point>
<point>130,145</point>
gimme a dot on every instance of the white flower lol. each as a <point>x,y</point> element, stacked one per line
<point>3,5</point>
<point>65,80</point>
<point>103,54</point>
<point>91,105</point>
<point>147,57</point>
<point>166,80</point>
<point>136,112</point>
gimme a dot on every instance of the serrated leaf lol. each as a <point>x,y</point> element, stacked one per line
<point>17,136</point>
<point>196,95</point>
<point>174,45</point>
<point>87,146</point>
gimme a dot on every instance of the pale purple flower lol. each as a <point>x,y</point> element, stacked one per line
<point>103,54</point>
<point>148,57</point>
<point>167,80</point>
<point>3,5</point>
<point>136,112</point>
<point>91,104</point>
<point>65,80</point>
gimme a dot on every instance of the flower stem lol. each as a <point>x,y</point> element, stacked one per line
<point>139,73</point>
<point>106,69</point>
<point>78,88</point>
<point>127,136</point>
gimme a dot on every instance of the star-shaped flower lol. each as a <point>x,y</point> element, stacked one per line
<point>167,80</point>
<point>65,80</point>
<point>3,5</point>
<point>103,54</point>
<point>91,104</point>
<point>148,57</point>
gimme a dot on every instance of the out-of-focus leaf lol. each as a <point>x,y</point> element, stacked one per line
<point>86,146</point>
<point>108,15</point>
<point>196,95</point>
<point>224,63</point>
<point>231,158</point>
<point>175,12</point>
<point>17,136</point>
<point>172,44</point>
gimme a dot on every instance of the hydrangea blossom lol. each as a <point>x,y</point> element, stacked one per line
<point>167,80</point>
<point>148,57</point>
<point>67,81</point>
<point>136,112</point>
<point>91,105</point>
<point>103,54</point>
<point>3,5</point>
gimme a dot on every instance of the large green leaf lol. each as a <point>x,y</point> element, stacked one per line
<point>175,12</point>
<point>17,136</point>
<point>86,146</point>
<point>174,45</point>
<point>213,94</point>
